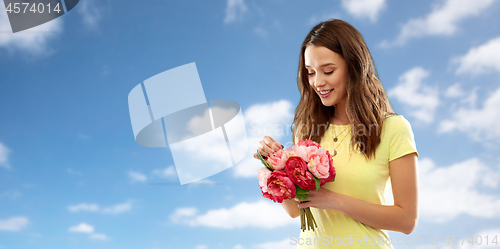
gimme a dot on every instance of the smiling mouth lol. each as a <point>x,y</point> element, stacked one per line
<point>325,92</point>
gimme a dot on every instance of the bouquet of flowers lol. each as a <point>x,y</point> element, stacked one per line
<point>291,173</point>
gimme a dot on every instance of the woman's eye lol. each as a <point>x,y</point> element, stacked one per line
<point>310,73</point>
<point>329,72</point>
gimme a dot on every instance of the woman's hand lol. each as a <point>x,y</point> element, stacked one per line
<point>321,198</point>
<point>267,146</point>
<point>401,217</point>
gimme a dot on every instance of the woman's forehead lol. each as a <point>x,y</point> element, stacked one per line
<point>317,56</point>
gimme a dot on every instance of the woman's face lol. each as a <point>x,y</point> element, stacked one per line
<point>327,73</point>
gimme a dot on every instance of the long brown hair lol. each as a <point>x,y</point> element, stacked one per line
<point>367,103</point>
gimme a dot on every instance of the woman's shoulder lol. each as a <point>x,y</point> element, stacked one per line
<point>396,124</point>
<point>398,136</point>
<point>395,120</point>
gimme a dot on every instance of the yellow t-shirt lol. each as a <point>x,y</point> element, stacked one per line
<point>359,178</point>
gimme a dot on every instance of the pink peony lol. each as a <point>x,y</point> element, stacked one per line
<point>296,169</point>
<point>271,197</point>
<point>316,158</point>
<point>308,143</point>
<point>318,162</point>
<point>263,174</point>
<point>331,171</point>
<point>277,160</point>
<point>280,187</point>
<point>300,151</point>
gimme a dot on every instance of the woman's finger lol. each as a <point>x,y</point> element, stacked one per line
<point>264,149</point>
<point>279,145</point>
<point>304,204</point>
<point>275,146</point>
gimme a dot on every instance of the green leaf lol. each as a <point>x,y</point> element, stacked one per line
<point>318,183</point>
<point>302,197</point>
<point>301,191</point>
<point>264,161</point>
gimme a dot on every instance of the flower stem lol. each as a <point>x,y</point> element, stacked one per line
<point>307,220</point>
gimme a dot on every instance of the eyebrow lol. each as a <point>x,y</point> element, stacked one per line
<point>324,65</point>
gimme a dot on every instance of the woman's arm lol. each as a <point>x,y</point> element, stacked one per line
<point>401,217</point>
<point>291,207</point>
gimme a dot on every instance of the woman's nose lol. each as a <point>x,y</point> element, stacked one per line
<point>319,81</point>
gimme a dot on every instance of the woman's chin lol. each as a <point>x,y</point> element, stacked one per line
<point>327,103</point>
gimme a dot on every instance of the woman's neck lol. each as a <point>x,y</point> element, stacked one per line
<point>340,115</point>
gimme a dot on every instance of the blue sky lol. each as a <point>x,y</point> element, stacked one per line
<point>72,176</point>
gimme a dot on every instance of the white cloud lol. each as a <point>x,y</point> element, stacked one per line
<point>91,207</point>
<point>364,8</point>
<point>118,208</point>
<point>84,207</point>
<point>184,212</point>
<point>86,228</point>
<point>270,119</point>
<point>197,123</point>
<point>447,192</point>
<point>420,99</point>
<point>33,41</point>
<point>215,158</point>
<point>14,224</point>
<point>82,228</point>
<point>4,154</point>
<point>137,176</point>
<point>201,247</point>
<point>90,13</point>
<point>168,172</point>
<point>283,244</point>
<point>235,10</point>
<point>454,91</point>
<point>98,236</point>
<point>466,98</point>
<point>262,214</point>
<point>442,21</point>
<point>247,167</point>
<point>480,59</point>
<point>479,123</point>
<point>210,154</point>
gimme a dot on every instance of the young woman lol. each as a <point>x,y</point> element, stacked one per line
<point>344,107</point>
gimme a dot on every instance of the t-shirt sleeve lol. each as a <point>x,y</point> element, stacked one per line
<point>402,141</point>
